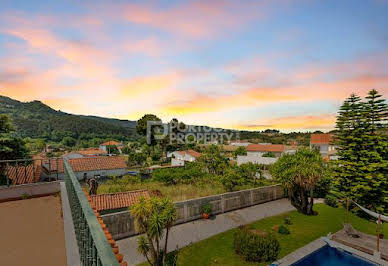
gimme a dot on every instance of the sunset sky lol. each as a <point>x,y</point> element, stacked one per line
<point>246,64</point>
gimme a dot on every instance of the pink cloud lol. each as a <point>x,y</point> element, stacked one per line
<point>197,18</point>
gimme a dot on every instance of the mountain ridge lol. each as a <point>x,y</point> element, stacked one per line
<point>36,120</point>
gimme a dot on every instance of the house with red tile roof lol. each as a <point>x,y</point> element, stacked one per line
<point>178,158</point>
<point>324,143</point>
<point>88,167</point>
<point>261,149</point>
<point>89,152</point>
<point>113,202</point>
<point>105,146</point>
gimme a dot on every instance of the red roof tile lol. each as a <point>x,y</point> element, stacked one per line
<point>91,152</point>
<point>117,200</point>
<point>265,147</point>
<point>320,138</point>
<point>97,163</point>
<point>193,153</point>
<point>111,142</point>
<point>23,174</point>
<point>87,164</point>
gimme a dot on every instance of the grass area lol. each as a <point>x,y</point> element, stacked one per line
<point>218,250</point>
<point>177,192</point>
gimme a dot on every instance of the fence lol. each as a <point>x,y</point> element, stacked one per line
<point>93,246</point>
<point>28,171</point>
<point>121,224</point>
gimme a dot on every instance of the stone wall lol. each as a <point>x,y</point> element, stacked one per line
<point>33,190</point>
<point>121,224</point>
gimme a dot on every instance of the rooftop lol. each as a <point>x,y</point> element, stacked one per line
<point>193,153</point>
<point>117,200</point>
<point>111,142</point>
<point>88,163</point>
<point>320,138</point>
<point>32,232</point>
<point>266,147</point>
<point>23,174</point>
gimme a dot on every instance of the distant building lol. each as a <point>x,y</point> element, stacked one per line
<point>90,152</point>
<point>243,143</point>
<point>88,167</point>
<point>323,142</point>
<point>255,158</point>
<point>261,149</point>
<point>105,146</point>
<point>178,158</point>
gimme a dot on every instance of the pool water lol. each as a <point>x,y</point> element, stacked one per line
<point>328,256</point>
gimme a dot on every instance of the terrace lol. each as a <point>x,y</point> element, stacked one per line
<point>32,228</point>
<point>69,230</point>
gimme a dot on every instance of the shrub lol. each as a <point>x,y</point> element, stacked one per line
<point>207,208</point>
<point>283,230</point>
<point>287,220</point>
<point>26,195</point>
<point>331,201</point>
<point>254,247</point>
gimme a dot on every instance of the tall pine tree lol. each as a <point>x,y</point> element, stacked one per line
<point>362,149</point>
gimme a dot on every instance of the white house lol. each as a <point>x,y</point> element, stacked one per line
<point>178,158</point>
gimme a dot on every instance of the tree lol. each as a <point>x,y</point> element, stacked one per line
<point>213,160</point>
<point>249,171</point>
<point>11,146</point>
<point>361,172</point>
<point>154,217</point>
<point>240,151</point>
<point>69,141</point>
<point>299,172</point>
<point>141,126</point>
<point>232,178</point>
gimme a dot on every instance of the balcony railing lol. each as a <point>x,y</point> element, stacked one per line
<point>94,248</point>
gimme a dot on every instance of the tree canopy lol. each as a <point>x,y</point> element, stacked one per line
<point>299,173</point>
<point>362,140</point>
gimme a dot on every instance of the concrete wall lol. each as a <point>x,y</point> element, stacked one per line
<point>36,189</point>
<point>255,158</point>
<point>121,224</point>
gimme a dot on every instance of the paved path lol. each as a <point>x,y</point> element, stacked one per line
<point>184,234</point>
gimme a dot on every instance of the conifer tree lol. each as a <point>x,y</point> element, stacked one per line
<point>361,172</point>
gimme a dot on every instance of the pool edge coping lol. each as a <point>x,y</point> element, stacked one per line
<point>319,243</point>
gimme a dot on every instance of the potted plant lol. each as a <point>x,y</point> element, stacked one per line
<point>206,210</point>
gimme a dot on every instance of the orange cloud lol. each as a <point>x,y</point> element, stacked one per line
<point>323,121</point>
<point>144,85</point>
<point>247,98</point>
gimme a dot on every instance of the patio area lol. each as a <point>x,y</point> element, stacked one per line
<point>32,232</point>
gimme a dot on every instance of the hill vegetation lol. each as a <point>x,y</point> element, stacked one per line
<point>37,120</point>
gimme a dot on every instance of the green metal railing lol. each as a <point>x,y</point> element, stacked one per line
<point>94,248</point>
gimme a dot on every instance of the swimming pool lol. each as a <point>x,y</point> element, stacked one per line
<point>328,256</point>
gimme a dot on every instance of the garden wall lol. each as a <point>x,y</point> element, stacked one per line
<point>33,190</point>
<point>121,224</point>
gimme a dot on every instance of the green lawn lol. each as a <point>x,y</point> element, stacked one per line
<point>218,250</point>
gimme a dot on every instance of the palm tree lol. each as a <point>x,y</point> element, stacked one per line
<point>299,173</point>
<point>153,216</point>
